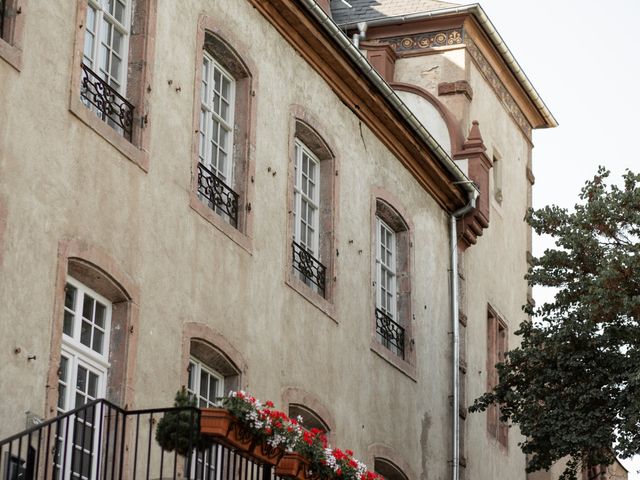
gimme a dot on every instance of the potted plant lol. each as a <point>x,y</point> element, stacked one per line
<point>272,430</point>
<point>179,429</point>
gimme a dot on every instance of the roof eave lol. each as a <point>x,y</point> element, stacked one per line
<point>492,33</point>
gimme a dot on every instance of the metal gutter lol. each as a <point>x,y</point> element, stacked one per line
<point>383,87</point>
<point>488,27</point>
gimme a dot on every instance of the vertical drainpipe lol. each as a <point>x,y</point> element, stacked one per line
<point>455,316</point>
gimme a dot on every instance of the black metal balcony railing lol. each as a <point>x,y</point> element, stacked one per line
<point>108,104</point>
<point>390,332</point>
<point>218,194</point>
<point>311,270</point>
<point>100,441</point>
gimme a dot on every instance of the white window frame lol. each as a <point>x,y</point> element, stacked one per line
<point>388,268</point>
<point>207,147</point>
<point>303,199</point>
<point>79,355</point>
<point>196,367</point>
<point>92,58</point>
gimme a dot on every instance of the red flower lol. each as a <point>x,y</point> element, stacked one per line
<point>339,472</point>
<point>269,404</point>
<point>349,452</point>
<point>339,454</point>
<point>353,463</point>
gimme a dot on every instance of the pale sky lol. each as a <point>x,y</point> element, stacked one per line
<point>582,56</point>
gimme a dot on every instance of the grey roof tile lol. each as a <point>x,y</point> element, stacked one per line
<point>364,10</point>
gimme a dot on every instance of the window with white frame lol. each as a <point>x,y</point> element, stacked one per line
<point>106,40</point>
<point>391,250</point>
<point>386,269</point>
<point>306,199</point>
<point>215,143</point>
<point>204,384</point>
<point>216,118</point>
<point>82,372</point>
<point>306,219</point>
<point>104,66</point>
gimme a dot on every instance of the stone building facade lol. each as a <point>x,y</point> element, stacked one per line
<point>254,202</point>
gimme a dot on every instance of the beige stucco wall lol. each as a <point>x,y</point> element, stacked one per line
<point>62,180</point>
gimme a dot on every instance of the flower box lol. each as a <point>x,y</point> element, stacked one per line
<point>264,453</point>
<point>219,423</point>
<point>292,465</point>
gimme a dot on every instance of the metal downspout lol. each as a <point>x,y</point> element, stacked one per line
<point>455,318</point>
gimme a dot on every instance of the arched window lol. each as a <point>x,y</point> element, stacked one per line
<point>312,193</point>
<point>392,279</point>
<point>388,469</point>
<point>111,72</point>
<point>223,133</point>
<point>211,374</point>
<point>95,337</point>
<point>310,419</point>
<point>92,343</point>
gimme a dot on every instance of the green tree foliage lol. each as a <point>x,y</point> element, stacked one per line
<point>573,385</point>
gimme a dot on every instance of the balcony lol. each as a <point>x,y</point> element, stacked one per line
<point>106,102</point>
<point>218,195</point>
<point>390,333</point>
<point>100,441</point>
<point>311,271</point>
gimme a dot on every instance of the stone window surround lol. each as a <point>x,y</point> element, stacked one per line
<point>139,82</point>
<point>307,400</point>
<point>405,310</point>
<point>244,131</point>
<point>207,338</point>
<point>12,44</point>
<point>310,131</point>
<point>390,456</point>
<point>496,429</point>
<point>102,273</point>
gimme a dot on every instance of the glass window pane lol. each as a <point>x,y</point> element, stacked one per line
<point>92,391</point>
<point>62,394</point>
<point>87,307</point>
<point>119,11</point>
<point>213,386</point>
<point>192,378</point>
<point>118,39</point>
<point>85,334</point>
<point>116,64</point>
<point>100,315</point>
<point>63,369</point>
<point>81,382</point>
<point>67,327</point>
<point>98,340</point>
<point>204,384</point>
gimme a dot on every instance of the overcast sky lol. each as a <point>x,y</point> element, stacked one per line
<point>583,58</point>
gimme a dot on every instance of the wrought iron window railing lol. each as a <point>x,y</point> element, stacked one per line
<point>391,333</point>
<point>218,194</point>
<point>311,270</point>
<point>108,104</point>
<point>100,441</point>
